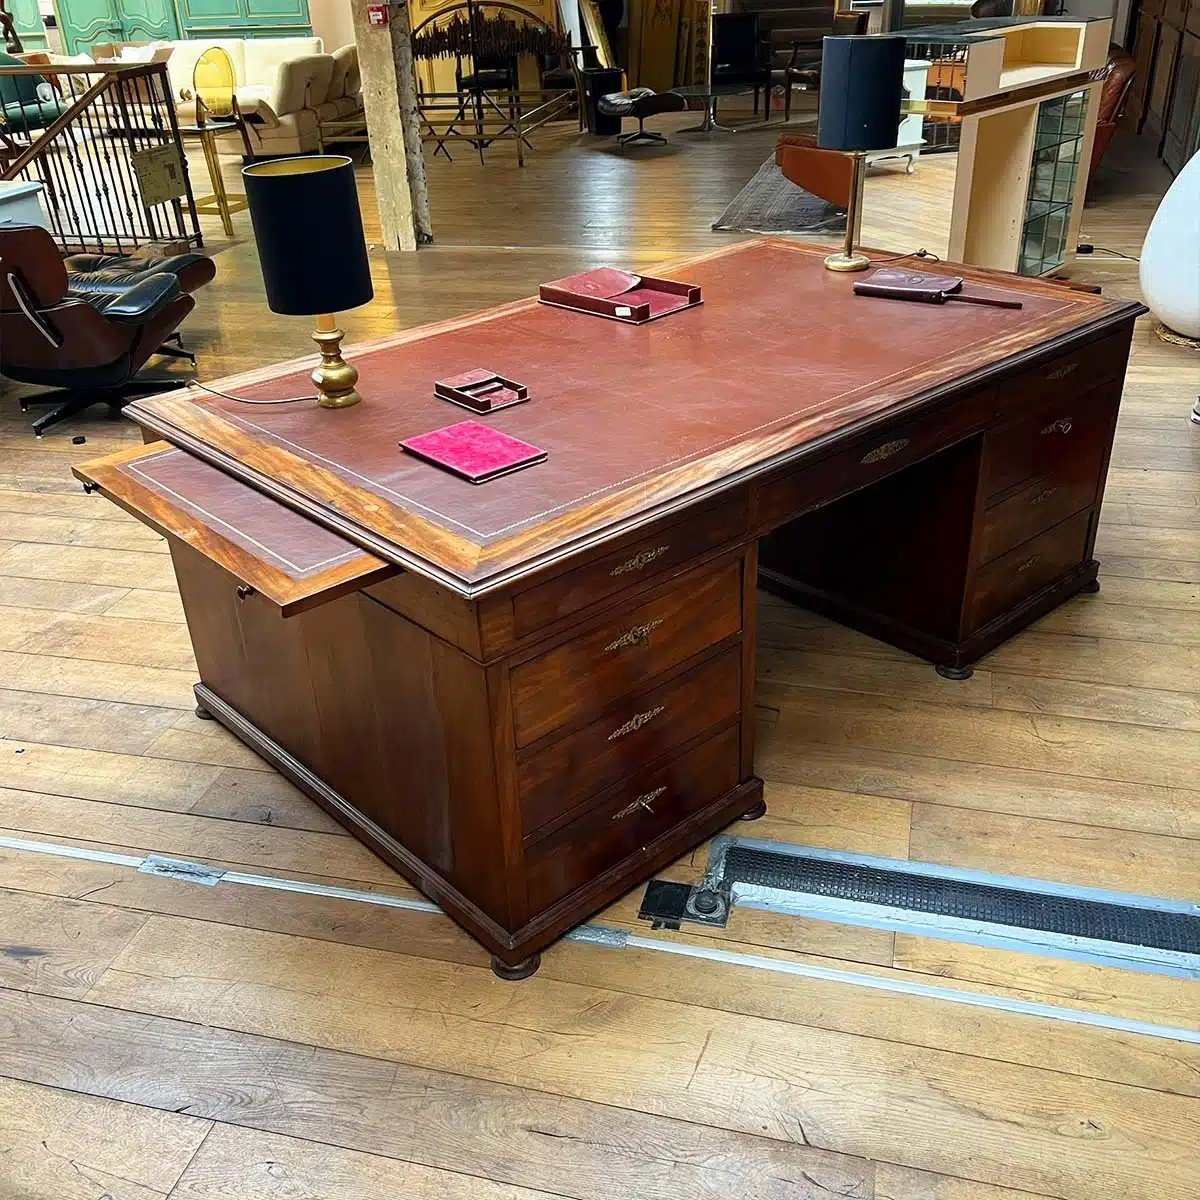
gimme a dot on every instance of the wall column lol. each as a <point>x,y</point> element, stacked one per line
<point>393,126</point>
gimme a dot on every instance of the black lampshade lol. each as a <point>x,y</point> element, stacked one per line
<point>862,82</point>
<point>309,232</point>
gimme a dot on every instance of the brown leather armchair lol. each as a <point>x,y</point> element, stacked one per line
<point>1118,73</point>
<point>89,346</point>
<point>825,173</point>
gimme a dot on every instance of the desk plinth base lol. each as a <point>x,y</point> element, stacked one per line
<point>953,660</point>
<point>515,955</point>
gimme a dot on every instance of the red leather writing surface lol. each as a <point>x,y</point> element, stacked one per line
<point>474,451</point>
<point>779,347</point>
<point>279,537</point>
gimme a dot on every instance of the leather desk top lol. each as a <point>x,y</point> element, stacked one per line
<point>779,359</point>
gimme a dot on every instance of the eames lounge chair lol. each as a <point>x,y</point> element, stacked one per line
<point>88,345</point>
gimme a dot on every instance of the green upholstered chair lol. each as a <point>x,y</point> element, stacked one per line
<point>27,102</point>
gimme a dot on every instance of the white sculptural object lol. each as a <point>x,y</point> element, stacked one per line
<point>1170,270</point>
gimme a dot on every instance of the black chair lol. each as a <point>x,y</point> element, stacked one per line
<point>741,55</point>
<point>641,103</point>
<point>488,73</point>
<point>88,345</point>
<point>118,272</point>
<point>803,69</point>
<point>561,74</point>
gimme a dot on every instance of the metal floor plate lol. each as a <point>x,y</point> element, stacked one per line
<point>963,899</point>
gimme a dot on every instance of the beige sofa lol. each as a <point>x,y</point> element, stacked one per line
<point>285,87</point>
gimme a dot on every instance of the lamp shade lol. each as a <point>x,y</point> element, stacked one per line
<point>309,232</point>
<point>862,82</point>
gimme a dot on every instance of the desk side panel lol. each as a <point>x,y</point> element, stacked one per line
<point>391,724</point>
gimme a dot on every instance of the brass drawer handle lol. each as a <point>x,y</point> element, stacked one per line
<point>1028,563</point>
<point>1062,425</point>
<point>884,451</point>
<point>636,722</point>
<point>639,562</point>
<point>244,591</point>
<point>642,802</point>
<point>1043,496</point>
<point>639,635</point>
<point>1061,372</point>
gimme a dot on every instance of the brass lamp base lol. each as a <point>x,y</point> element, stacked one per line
<point>847,262</point>
<point>335,377</point>
<point>847,259</point>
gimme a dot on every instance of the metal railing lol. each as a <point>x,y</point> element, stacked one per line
<point>945,81</point>
<point>103,142</point>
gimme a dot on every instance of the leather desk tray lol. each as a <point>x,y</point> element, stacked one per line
<point>620,295</point>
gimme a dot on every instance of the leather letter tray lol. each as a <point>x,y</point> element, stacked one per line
<point>620,295</point>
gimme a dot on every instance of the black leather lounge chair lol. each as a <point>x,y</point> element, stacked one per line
<point>641,103</point>
<point>87,343</point>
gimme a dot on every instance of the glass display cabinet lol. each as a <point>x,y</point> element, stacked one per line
<point>1025,104</point>
<point>1057,155</point>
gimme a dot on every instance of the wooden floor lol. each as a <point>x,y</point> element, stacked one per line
<point>160,1038</point>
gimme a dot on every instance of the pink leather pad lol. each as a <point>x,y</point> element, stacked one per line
<point>474,451</point>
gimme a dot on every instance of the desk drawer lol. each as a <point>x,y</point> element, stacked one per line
<point>626,818</point>
<point>1078,370</point>
<point>634,563</point>
<point>582,677</point>
<point>1064,440</point>
<point>645,726</point>
<point>1035,508</point>
<point>1012,578</point>
<point>806,486</point>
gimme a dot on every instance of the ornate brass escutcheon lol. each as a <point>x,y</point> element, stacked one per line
<point>1062,425</point>
<point>884,451</point>
<point>641,560</point>
<point>642,802</point>
<point>639,635</point>
<point>637,722</point>
<point>1063,371</point>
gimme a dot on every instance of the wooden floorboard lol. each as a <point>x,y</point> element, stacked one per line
<point>161,1039</point>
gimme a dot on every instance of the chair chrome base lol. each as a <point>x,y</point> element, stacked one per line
<point>69,402</point>
<point>641,137</point>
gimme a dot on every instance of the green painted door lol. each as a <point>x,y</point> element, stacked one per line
<point>244,18</point>
<point>28,23</point>
<point>147,20</point>
<point>86,22</point>
<point>83,23</point>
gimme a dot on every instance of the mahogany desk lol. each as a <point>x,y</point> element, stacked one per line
<point>530,695</point>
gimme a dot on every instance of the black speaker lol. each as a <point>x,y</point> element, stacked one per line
<point>862,81</point>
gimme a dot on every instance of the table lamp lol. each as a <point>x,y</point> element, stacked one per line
<point>313,254</point>
<point>862,83</point>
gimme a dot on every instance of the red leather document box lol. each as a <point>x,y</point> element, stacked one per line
<point>474,451</point>
<point>620,295</point>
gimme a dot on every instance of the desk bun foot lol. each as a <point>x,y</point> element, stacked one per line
<point>203,713</point>
<point>1090,588</point>
<point>753,814</point>
<point>521,970</point>
<point>954,672</point>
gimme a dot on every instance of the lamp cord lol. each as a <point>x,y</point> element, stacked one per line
<point>922,253</point>
<point>247,400</point>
